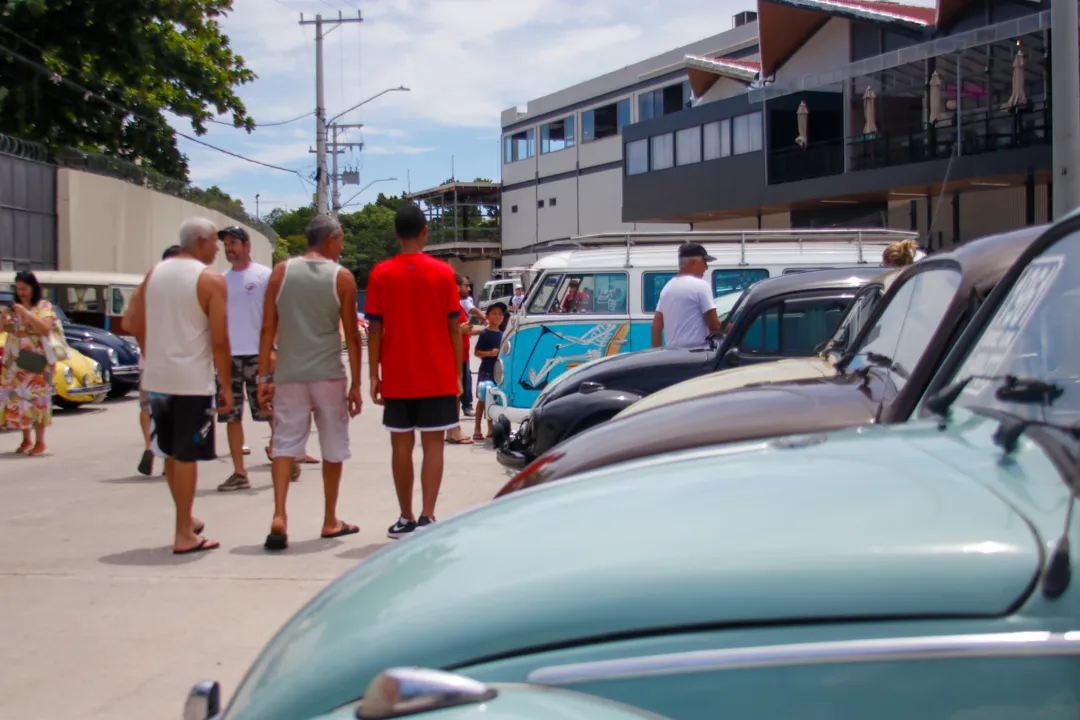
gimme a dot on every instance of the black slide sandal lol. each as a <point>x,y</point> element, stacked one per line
<point>276,541</point>
<point>203,546</point>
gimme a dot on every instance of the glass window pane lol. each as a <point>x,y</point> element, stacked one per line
<point>637,157</point>
<point>741,134</point>
<point>508,149</point>
<point>755,131</point>
<point>728,281</point>
<point>763,335</point>
<point>663,151</point>
<point>545,138</point>
<point>652,284</point>
<point>711,131</point>
<point>725,138</point>
<point>595,293</point>
<point>541,301</point>
<point>806,323</point>
<point>588,126</point>
<point>568,131</point>
<point>688,146</point>
<point>530,143</point>
<point>624,113</point>
<point>645,106</point>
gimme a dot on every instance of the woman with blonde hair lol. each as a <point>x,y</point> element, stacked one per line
<point>900,253</point>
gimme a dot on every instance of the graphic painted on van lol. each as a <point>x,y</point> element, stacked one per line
<point>544,352</point>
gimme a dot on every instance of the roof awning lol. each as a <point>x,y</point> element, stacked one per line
<point>784,25</point>
<point>703,72</point>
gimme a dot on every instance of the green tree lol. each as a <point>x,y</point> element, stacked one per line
<point>226,197</point>
<point>149,56</point>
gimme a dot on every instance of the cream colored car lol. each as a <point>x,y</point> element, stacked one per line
<point>818,366</point>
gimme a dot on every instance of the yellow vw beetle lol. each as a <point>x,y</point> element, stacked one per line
<point>77,379</point>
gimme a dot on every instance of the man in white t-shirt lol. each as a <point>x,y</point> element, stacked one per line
<point>686,311</point>
<point>246,281</point>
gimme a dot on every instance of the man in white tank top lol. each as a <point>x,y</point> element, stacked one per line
<point>179,316</point>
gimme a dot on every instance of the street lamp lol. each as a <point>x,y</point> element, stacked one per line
<point>257,207</point>
<point>321,191</point>
<point>347,203</point>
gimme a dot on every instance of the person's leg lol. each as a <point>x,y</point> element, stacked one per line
<point>292,418</point>
<point>144,423</point>
<point>466,388</point>
<point>180,422</point>
<point>27,441</point>
<point>330,401</point>
<point>401,448</point>
<point>431,471</point>
<point>234,430</point>
<point>479,417</point>
<point>146,462</point>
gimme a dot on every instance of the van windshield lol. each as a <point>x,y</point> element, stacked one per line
<point>485,294</point>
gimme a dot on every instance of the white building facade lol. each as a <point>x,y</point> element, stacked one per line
<point>562,171</point>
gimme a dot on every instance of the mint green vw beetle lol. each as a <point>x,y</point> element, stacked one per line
<point>913,571</point>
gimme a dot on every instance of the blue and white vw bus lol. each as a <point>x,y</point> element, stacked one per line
<point>599,299</point>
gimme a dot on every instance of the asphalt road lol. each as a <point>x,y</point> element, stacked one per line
<point>98,619</point>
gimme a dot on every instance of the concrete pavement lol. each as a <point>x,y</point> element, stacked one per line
<point>100,620</point>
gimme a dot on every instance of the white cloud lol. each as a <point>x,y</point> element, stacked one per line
<point>396,150</point>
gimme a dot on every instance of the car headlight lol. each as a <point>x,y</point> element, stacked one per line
<point>506,348</point>
<point>114,359</point>
<point>95,368</point>
<point>499,372</point>
<point>69,377</point>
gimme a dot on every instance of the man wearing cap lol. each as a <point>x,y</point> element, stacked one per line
<point>246,281</point>
<point>686,311</point>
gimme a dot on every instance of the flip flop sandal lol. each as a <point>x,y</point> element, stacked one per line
<point>276,541</point>
<point>462,441</point>
<point>310,460</point>
<point>346,529</point>
<point>203,546</point>
<point>37,453</point>
<point>477,437</point>
<point>247,450</point>
<point>24,448</point>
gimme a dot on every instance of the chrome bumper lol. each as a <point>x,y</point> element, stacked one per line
<point>125,371</point>
<point>89,390</point>
<point>495,405</point>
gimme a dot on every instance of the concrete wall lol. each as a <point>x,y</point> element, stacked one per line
<point>109,225</point>
<point>479,271</point>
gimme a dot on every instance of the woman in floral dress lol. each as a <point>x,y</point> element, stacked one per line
<point>26,397</point>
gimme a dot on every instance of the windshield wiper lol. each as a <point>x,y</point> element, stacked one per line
<point>1014,389</point>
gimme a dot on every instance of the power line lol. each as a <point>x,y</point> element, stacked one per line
<point>259,124</point>
<point>58,79</point>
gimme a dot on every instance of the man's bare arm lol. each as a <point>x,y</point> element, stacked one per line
<point>712,321</point>
<point>134,322</point>
<point>268,333</point>
<point>657,329</point>
<point>213,296</point>
<point>456,331</point>
<point>346,285</point>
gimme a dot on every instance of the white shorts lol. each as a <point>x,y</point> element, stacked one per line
<point>294,405</point>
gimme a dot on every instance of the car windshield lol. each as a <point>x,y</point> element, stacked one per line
<point>726,302</point>
<point>485,294</point>
<point>857,315</point>
<point>1033,335</point>
<point>902,333</point>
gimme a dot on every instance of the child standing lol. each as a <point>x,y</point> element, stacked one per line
<point>487,349</point>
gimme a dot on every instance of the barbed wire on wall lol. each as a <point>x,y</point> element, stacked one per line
<point>24,149</point>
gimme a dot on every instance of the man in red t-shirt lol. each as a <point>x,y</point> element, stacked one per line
<point>414,353</point>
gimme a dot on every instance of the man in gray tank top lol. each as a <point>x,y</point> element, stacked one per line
<point>308,300</point>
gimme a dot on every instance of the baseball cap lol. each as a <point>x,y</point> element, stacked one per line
<point>693,250</point>
<point>234,230</point>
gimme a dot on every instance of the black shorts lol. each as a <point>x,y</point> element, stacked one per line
<point>182,426</point>
<point>429,414</point>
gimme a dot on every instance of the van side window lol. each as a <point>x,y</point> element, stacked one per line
<point>729,281</point>
<point>592,293</point>
<point>651,285</point>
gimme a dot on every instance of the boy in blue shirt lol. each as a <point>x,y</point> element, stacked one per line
<point>487,349</point>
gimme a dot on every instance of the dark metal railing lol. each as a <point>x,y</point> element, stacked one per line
<point>817,159</point>
<point>23,149</point>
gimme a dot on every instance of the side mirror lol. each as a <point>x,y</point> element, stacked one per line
<point>733,357</point>
<point>203,702</point>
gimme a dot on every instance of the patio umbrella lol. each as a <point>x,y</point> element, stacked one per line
<point>869,107</point>
<point>802,115</point>
<point>935,97</point>
<point>1018,97</point>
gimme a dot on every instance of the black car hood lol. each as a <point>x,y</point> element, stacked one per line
<point>644,371</point>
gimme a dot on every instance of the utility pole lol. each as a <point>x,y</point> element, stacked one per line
<point>336,149</point>
<point>1065,66</point>
<point>320,105</point>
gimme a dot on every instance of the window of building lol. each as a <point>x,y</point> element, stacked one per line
<point>664,101</point>
<point>606,121</point>
<point>596,293</point>
<point>519,146</point>
<point>746,133</point>
<point>558,135</point>
<point>717,139</point>
<point>662,151</point>
<point>729,281</point>
<point>551,202</point>
<point>540,203</point>
<point>513,208</point>
<point>688,146</point>
<point>637,157</point>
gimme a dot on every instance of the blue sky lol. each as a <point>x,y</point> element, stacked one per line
<point>464,60</point>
